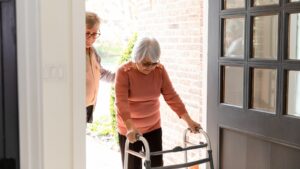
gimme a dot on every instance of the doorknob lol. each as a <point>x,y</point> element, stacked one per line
<point>7,163</point>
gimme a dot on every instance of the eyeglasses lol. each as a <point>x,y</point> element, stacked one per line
<point>94,35</point>
<point>149,64</point>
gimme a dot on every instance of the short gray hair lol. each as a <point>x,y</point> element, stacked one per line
<point>91,19</point>
<point>146,47</point>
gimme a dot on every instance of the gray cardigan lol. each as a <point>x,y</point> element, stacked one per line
<point>106,75</point>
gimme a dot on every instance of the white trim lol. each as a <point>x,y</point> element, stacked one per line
<point>204,49</point>
<point>78,69</point>
<point>29,84</point>
<point>31,87</point>
<point>204,74</point>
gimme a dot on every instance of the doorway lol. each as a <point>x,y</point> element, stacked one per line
<point>9,128</point>
<point>253,82</point>
<point>116,32</point>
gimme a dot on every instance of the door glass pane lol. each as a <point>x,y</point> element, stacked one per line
<point>294,36</point>
<point>233,44</point>
<point>293,103</point>
<point>265,2</point>
<point>265,37</point>
<point>234,4</point>
<point>233,85</point>
<point>264,89</point>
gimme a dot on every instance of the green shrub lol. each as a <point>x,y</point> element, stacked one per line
<point>126,56</point>
<point>107,125</point>
<point>101,126</point>
<point>109,49</point>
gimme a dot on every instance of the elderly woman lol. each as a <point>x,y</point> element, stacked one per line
<point>94,70</point>
<point>139,84</point>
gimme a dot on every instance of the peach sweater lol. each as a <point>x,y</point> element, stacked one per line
<point>95,72</point>
<point>137,97</point>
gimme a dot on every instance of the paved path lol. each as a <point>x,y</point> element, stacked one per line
<point>101,156</point>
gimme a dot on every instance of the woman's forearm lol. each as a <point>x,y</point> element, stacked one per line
<point>186,117</point>
<point>194,126</point>
<point>129,124</point>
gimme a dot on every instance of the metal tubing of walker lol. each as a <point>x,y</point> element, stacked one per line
<point>209,151</point>
<point>145,156</point>
<point>184,145</point>
<point>211,159</point>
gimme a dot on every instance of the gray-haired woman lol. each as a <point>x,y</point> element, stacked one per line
<point>139,84</point>
<point>94,70</point>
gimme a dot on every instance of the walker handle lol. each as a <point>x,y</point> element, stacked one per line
<point>202,132</point>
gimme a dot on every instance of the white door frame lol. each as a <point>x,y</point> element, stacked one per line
<point>31,74</point>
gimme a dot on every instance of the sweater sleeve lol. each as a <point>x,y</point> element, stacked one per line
<point>105,75</point>
<point>122,90</point>
<point>170,95</point>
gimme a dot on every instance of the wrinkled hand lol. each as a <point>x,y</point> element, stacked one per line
<point>132,132</point>
<point>132,135</point>
<point>194,126</point>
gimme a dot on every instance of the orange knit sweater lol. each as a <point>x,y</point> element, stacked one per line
<point>137,97</point>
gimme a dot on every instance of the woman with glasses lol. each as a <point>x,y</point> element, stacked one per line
<point>139,84</point>
<point>94,70</point>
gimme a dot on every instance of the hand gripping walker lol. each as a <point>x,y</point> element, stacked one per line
<point>146,153</point>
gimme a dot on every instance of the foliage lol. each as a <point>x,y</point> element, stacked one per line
<point>101,127</point>
<point>127,52</point>
<point>126,56</point>
<point>107,125</point>
<point>108,49</point>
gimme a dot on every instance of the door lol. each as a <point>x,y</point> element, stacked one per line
<point>9,142</point>
<point>254,83</point>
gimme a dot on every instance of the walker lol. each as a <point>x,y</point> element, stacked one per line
<point>145,155</point>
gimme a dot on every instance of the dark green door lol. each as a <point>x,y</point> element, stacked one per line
<point>9,132</point>
<point>254,83</point>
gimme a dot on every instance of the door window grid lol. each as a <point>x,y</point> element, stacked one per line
<point>265,37</point>
<point>232,87</point>
<point>265,2</point>
<point>294,36</point>
<point>231,4</point>
<point>264,89</point>
<point>234,35</point>
<point>293,93</point>
<point>262,47</point>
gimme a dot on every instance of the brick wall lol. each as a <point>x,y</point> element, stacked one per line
<point>179,27</point>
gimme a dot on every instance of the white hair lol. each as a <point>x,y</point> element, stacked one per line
<point>146,47</point>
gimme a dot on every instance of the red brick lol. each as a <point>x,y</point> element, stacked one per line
<point>179,27</point>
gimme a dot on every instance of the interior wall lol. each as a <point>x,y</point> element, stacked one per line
<point>50,37</point>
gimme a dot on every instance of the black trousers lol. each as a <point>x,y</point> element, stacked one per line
<point>154,139</point>
<point>89,114</point>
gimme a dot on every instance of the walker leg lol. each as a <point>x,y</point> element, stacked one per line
<point>211,159</point>
<point>147,164</point>
<point>126,154</point>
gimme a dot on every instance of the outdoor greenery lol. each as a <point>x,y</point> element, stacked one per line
<point>127,52</point>
<point>101,127</point>
<point>106,126</point>
<point>126,56</point>
<point>109,49</point>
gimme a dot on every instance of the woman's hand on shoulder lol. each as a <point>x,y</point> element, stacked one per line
<point>127,66</point>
